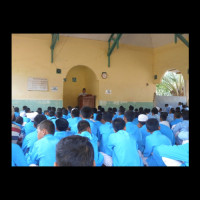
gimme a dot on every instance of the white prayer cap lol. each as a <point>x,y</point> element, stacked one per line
<point>22,114</point>
<point>158,108</point>
<point>32,115</point>
<point>142,118</point>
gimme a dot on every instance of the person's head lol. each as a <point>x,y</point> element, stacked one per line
<point>49,108</point>
<point>99,117</point>
<point>109,109</point>
<point>141,110</point>
<point>62,124</point>
<point>45,127</point>
<point>154,111</point>
<point>107,116</point>
<point>69,108</point>
<point>64,111</point>
<point>114,110</point>
<point>39,110</point>
<point>24,107</point>
<point>121,110</point>
<point>59,114</point>
<point>99,107</point>
<point>185,115</point>
<point>177,115</point>
<point>129,116</point>
<point>179,103</point>
<point>163,116</point>
<point>86,112</point>
<point>142,118</point>
<point>83,125</point>
<point>172,111</point>
<point>166,105</point>
<point>16,109</point>
<point>178,109</point>
<point>54,109</point>
<point>19,120</point>
<point>74,150</point>
<point>119,124</point>
<point>27,110</point>
<point>52,113</point>
<point>102,110</point>
<point>46,112</point>
<point>94,110</point>
<point>84,90</point>
<point>131,107</point>
<point>152,125</point>
<point>75,112</point>
<point>39,118</point>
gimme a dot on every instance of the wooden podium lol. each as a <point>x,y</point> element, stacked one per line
<point>87,100</point>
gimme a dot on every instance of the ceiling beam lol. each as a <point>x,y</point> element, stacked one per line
<point>182,39</point>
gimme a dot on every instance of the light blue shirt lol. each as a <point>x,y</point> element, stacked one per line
<point>105,130</point>
<point>170,117</point>
<point>44,151</point>
<point>135,121</point>
<point>29,127</point>
<point>156,116</point>
<point>18,158</point>
<point>144,134</point>
<point>98,157</point>
<point>181,126</point>
<point>98,124</point>
<point>165,130</point>
<point>93,126</point>
<point>73,123</point>
<point>124,149</point>
<point>176,121</point>
<point>62,134</point>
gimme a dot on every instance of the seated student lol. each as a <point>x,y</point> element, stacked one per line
<point>132,129</point>
<point>29,127</point>
<point>180,105</point>
<point>170,116</point>
<point>65,113</point>
<point>58,116</point>
<point>141,109</point>
<point>46,113</point>
<point>123,147</point>
<point>49,108</point>
<point>85,114</point>
<point>39,110</point>
<point>98,123</point>
<point>94,111</point>
<point>26,119</point>
<point>177,119</point>
<point>143,130</point>
<point>18,158</point>
<point>61,128</point>
<point>74,151</point>
<point>163,119</point>
<point>16,130</point>
<point>155,138</point>
<point>85,131</point>
<point>181,126</point>
<point>19,122</point>
<point>31,138</point>
<point>69,108</point>
<point>104,131</point>
<point>52,115</point>
<point>165,130</point>
<point>44,150</point>
<point>99,108</point>
<point>121,112</point>
<point>73,121</point>
<point>136,114</point>
<point>131,108</point>
<point>23,113</point>
<point>16,112</point>
<point>154,114</point>
<point>175,152</point>
<point>114,110</point>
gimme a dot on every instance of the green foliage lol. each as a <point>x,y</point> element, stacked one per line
<point>172,84</point>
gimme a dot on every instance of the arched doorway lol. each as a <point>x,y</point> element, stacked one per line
<point>77,78</point>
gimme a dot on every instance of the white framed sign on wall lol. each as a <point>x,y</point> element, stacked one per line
<point>39,84</point>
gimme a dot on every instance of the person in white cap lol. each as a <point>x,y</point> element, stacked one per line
<point>29,127</point>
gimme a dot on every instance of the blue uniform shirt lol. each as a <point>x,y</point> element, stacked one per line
<point>98,124</point>
<point>18,158</point>
<point>170,117</point>
<point>62,134</point>
<point>144,134</point>
<point>16,114</point>
<point>44,151</point>
<point>93,126</point>
<point>73,123</point>
<point>124,149</point>
<point>135,121</point>
<point>182,126</point>
<point>176,121</point>
<point>165,130</point>
<point>105,130</point>
<point>29,127</point>
<point>98,157</point>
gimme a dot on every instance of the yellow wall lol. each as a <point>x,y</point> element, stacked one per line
<point>130,69</point>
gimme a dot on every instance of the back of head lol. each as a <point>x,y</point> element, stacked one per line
<point>107,116</point>
<point>82,125</point>
<point>114,110</point>
<point>39,118</point>
<point>52,113</point>
<point>74,150</point>
<point>59,114</point>
<point>121,110</point>
<point>129,114</point>
<point>154,110</point>
<point>185,115</point>
<point>172,110</point>
<point>75,112</point>
<point>99,117</point>
<point>141,110</point>
<point>39,110</point>
<point>131,107</point>
<point>48,125</point>
<point>118,124</point>
<point>16,109</point>
<point>94,110</point>
<point>53,108</point>
<point>62,124</point>
<point>64,111</point>
<point>177,114</point>
<point>178,109</point>
<point>163,116</point>
<point>19,120</point>
<point>86,112</point>
<point>152,124</point>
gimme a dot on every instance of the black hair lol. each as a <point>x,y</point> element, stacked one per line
<point>107,116</point>
<point>121,110</point>
<point>75,112</point>
<point>74,150</point>
<point>177,114</point>
<point>94,110</point>
<point>163,116</point>
<point>166,105</point>
<point>59,114</point>
<point>39,110</point>
<point>86,112</point>
<point>48,125</point>
<point>185,115</point>
<point>131,107</point>
<point>118,124</point>
<point>114,110</point>
<point>27,110</point>
<point>129,114</point>
<point>99,117</point>
<point>62,124</point>
<point>99,107</point>
<point>154,110</point>
<point>54,109</point>
<point>49,108</point>
<point>39,118</point>
<point>172,110</point>
<point>52,113</point>
<point>59,109</point>
<point>102,110</point>
<point>45,111</point>
<point>142,123</point>
<point>178,109</point>
<point>152,124</point>
<point>69,108</point>
<point>109,109</point>
<point>24,107</point>
<point>19,120</point>
<point>141,110</point>
<point>83,125</point>
<point>64,111</point>
<point>136,114</point>
<point>136,110</point>
<point>16,109</point>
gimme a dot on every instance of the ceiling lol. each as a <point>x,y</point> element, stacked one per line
<point>143,40</point>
